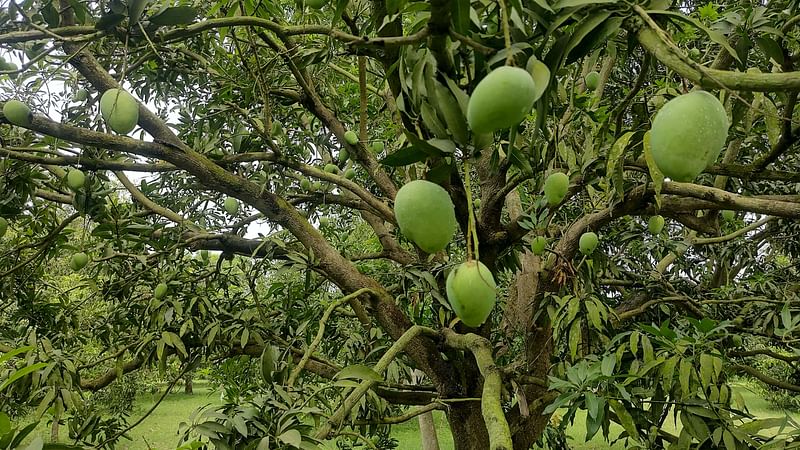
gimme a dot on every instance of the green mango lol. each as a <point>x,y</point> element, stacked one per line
<point>425,215</point>
<point>592,80</point>
<point>160,291</point>
<point>472,292</point>
<point>17,113</point>
<point>351,137</point>
<point>687,135</point>
<point>120,110</point>
<point>231,205</point>
<point>78,261</point>
<point>502,99</point>
<point>588,242</point>
<point>655,224</point>
<point>75,179</point>
<point>555,188</point>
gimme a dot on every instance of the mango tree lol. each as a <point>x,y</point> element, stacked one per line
<point>277,136</point>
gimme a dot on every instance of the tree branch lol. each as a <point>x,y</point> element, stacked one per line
<point>491,404</point>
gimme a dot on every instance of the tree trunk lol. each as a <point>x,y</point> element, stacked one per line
<point>427,432</point>
<point>188,384</point>
<point>54,427</point>
<point>467,426</point>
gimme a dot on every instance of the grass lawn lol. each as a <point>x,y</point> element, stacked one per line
<point>159,430</point>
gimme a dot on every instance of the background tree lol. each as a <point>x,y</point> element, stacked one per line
<point>252,101</point>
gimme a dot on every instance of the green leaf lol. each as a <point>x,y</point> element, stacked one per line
<point>772,120</point>
<point>460,15</point>
<point>541,76</point>
<point>405,156</point>
<point>625,418</point>
<point>757,425</point>
<point>695,425</point>
<point>291,437</point>
<point>109,21</point>
<point>582,30</point>
<point>449,108</point>
<point>655,173</point>
<point>593,404</point>
<point>594,315</point>
<point>593,424</point>
<point>5,423</point>
<point>359,372</point>
<point>684,375</point>
<point>770,48</point>
<point>668,372</point>
<point>634,341</point>
<point>177,15</point>
<point>21,373</point>
<point>607,366</point>
<point>544,5</point>
<point>730,441</point>
<point>135,10</point>
<point>267,363</point>
<point>240,425</point>
<point>431,120</point>
<point>575,3</point>
<point>616,159</point>
<point>45,403</point>
<point>575,335</point>
<point>14,353</point>
<point>596,38</point>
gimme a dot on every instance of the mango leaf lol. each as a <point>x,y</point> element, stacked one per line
<point>684,375</point>
<point>575,335</point>
<point>460,15</point>
<point>772,120</point>
<point>757,425</point>
<point>541,76</point>
<point>21,373</point>
<point>575,3</point>
<point>359,372</point>
<point>770,48</point>
<point>593,425</point>
<point>543,4</point>
<point>135,10</point>
<point>267,363</point>
<point>14,353</point>
<point>405,156</point>
<point>582,30</point>
<point>616,159</point>
<point>291,437</point>
<point>177,15</point>
<point>109,21</point>
<point>450,110</point>
<point>695,425</point>
<point>596,38</point>
<point>625,418</point>
<point>655,173</point>
<point>607,366</point>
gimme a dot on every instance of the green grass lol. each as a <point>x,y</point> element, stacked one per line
<point>159,430</point>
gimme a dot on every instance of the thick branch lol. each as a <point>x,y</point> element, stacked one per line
<point>713,78</point>
<point>491,402</point>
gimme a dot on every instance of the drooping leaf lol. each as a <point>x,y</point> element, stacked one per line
<point>359,372</point>
<point>176,15</point>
